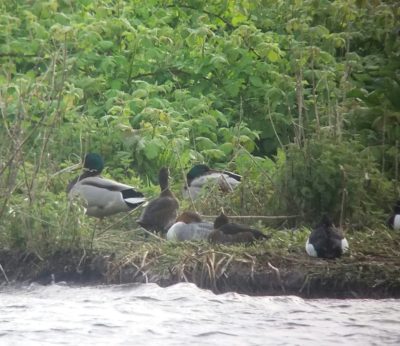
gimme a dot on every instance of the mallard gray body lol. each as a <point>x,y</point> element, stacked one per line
<point>189,226</point>
<point>103,197</point>
<point>160,213</point>
<point>201,175</point>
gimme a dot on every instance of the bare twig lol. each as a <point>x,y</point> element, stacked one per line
<point>18,55</point>
<point>396,165</point>
<point>120,219</point>
<point>278,276</point>
<point>344,194</point>
<point>4,273</point>
<point>78,267</point>
<point>261,217</point>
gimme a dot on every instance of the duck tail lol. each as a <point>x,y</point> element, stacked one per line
<point>133,198</point>
<point>233,175</point>
<point>259,235</point>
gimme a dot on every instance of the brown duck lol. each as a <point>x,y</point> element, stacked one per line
<point>160,213</point>
<point>226,232</point>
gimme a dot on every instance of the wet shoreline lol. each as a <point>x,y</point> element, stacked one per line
<point>262,275</point>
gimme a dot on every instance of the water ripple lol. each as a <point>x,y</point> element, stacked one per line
<point>183,314</point>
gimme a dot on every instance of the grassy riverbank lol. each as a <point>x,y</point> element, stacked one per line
<point>278,266</point>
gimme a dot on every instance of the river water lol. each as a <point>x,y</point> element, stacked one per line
<point>146,314</point>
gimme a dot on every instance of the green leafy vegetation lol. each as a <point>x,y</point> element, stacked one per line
<point>300,97</point>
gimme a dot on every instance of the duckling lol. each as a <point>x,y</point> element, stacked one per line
<point>326,241</point>
<point>229,233</point>
<point>189,226</point>
<point>103,197</point>
<point>160,213</point>
<point>200,175</point>
<point>394,220</point>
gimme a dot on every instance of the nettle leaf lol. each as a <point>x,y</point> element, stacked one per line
<point>152,149</point>
<point>61,32</point>
<point>253,134</point>
<point>105,45</point>
<point>218,60</point>
<point>247,143</point>
<point>116,84</point>
<point>137,105</point>
<point>12,89</point>
<point>203,143</point>
<point>274,94</point>
<point>233,87</point>
<point>256,81</point>
<point>227,148</point>
<point>238,19</point>
<point>214,154</point>
<point>210,121</point>
<point>140,93</point>
<point>273,56</point>
<point>225,133</point>
<point>357,92</point>
<point>219,117</point>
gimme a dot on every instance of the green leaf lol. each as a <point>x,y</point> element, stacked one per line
<point>140,93</point>
<point>105,45</point>
<point>116,84</point>
<point>214,154</point>
<point>151,150</point>
<point>256,81</point>
<point>227,148</point>
<point>272,56</point>
<point>203,143</point>
<point>238,19</point>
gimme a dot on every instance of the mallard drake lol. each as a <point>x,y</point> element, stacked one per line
<point>201,175</point>
<point>103,197</point>
<point>326,241</point>
<point>394,220</point>
<point>228,233</point>
<point>189,226</point>
<point>160,213</point>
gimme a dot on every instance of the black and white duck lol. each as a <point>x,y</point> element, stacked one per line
<point>394,219</point>
<point>326,241</point>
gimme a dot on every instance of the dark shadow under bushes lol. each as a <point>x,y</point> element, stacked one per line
<point>337,178</point>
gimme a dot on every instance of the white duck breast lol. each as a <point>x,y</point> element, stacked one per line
<point>345,245</point>
<point>222,179</point>
<point>396,222</point>
<point>310,249</point>
<point>181,231</point>
<point>105,197</point>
